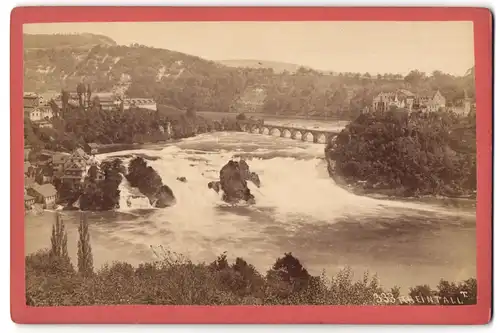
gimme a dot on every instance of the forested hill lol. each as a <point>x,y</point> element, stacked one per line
<point>190,82</point>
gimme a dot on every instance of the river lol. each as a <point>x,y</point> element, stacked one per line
<point>298,209</point>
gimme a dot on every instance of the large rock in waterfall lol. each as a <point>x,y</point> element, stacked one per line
<point>233,182</point>
<point>247,175</point>
<point>164,197</point>
<point>149,183</point>
<point>214,186</point>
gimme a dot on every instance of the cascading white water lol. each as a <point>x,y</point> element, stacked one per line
<point>131,198</point>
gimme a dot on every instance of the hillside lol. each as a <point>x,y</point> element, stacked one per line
<point>188,82</point>
<point>46,41</point>
<point>276,66</point>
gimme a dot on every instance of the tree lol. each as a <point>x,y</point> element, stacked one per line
<point>289,269</point>
<point>80,90</point>
<point>85,259</point>
<point>59,240</point>
<point>65,101</point>
<point>88,94</point>
<point>415,77</point>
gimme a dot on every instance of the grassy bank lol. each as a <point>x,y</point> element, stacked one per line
<point>51,280</point>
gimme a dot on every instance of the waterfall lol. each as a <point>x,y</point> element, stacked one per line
<point>131,198</point>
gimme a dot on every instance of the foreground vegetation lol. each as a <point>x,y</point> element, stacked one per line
<point>52,280</point>
<point>407,154</point>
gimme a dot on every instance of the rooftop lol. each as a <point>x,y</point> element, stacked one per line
<point>46,190</point>
<point>28,197</point>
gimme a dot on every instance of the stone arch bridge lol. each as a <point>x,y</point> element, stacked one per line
<point>296,133</point>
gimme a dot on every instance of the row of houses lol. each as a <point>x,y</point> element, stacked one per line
<point>405,99</point>
<point>37,109</point>
<point>432,102</point>
<point>70,169</point>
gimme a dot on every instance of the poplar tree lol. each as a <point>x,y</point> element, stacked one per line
<point>85,260</point>
<point>59,239</point>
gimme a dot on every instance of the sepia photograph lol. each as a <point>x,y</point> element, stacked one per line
<point>250,163</point>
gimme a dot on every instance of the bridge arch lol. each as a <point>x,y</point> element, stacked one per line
<point>275,131</point>
<point>319,137</point>
<point>286,133</point>
<point>244,127</point>
<point>296,134</point>
<point>264,130</point>
<point>217,126</point>
<point>306,135</point>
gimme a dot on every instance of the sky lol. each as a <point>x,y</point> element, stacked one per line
<point>374,47</point>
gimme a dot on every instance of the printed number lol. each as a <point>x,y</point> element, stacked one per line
<point>386,298</point>
<point>377,297</point>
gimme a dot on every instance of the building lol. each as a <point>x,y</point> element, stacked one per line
<point>31,103</point>
<point>27,152</point>
<point>92,148</point>
<point>43,124</point>
<point>58,161</point>
<point>106,101</point>
<point>76,166</point>
<point>36,108</point>
<point>140,103</point>
<point>45,194</point>
<point>46,112</point>
<point>436,102</point>
<point>464,106</point>
<point>29,169</point>
<point>33,114</point>
<point>384,101</point>
<point>28,182</point>
<point>29,201</point>
<point>96,174</point>
<point>74,173</point>
<point>31,100</point>
<point>405,99</point>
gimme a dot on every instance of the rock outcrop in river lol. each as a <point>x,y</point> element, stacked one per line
<point>164,197</point>
<point>233,182</point>
<point>149,182</point>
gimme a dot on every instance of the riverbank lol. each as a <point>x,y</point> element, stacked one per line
<point>358,188</point>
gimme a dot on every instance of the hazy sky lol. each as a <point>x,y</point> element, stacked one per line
<point>375,47</point>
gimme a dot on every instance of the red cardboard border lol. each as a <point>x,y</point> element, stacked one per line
<point>477,314</point>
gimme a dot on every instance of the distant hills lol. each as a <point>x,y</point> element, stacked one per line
<point>45,41</point>
<point>183,81</point>
<point>277,66</point>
